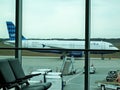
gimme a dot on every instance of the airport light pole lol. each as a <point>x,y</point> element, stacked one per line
<point>87,43</point>
<point>18,33</point>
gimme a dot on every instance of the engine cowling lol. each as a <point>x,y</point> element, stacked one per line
<point>74,54</point>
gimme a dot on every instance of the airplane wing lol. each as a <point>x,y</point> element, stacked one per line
<point>50,46</point>
<point>11,43</point>
<point>64,53</point>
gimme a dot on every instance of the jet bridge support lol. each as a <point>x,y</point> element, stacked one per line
<point>68,66</point>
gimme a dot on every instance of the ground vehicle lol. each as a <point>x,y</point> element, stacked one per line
<point>110,82</point>
<point>92,69</point>
<point>110,85</point>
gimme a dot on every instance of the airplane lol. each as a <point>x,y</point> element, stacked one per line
<point>62,44</point>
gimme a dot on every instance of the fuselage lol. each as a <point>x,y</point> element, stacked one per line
<point>67,44</point>
<point>97,46</point>
<point>60,44</point>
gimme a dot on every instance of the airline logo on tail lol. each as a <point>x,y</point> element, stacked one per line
<point>11,30</point>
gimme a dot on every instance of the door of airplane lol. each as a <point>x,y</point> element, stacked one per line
<point>102,45</point>
<point>72,46</point>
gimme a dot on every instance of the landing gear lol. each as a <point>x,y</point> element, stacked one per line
<point>102,56</point>
<point>103,87</point>
<point>62,57</point>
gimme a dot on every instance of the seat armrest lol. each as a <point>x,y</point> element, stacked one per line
<point>28,76</point>
<point>25,79</point>
<point>31,75</point>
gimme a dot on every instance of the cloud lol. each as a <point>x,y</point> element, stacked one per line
<point>64,18</point>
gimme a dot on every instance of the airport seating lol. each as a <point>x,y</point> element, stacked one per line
<point>8,79</point>
<point>20,75</point>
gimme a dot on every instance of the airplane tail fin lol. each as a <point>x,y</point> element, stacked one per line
<point>11,30</point>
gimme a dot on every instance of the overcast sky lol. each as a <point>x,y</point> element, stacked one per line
<point>63,18</point>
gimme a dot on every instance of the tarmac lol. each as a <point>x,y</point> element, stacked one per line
<point>75,81</point>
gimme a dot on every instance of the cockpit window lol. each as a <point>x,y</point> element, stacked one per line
<point>110,45</point>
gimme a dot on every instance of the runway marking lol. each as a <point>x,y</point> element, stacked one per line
<point>67,81</point>
<point>74,84</point>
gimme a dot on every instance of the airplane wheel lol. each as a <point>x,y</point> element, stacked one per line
<point>103,87</point>
<point>62,57</point>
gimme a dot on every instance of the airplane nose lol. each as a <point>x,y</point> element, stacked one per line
<point>115,48</point>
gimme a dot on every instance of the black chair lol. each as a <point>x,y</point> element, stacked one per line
<point>20,75</point>
<point>8,80</point>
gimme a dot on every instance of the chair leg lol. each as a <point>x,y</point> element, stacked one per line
<point>4,88</point>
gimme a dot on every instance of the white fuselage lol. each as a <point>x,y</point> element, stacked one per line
<point>67,44</point>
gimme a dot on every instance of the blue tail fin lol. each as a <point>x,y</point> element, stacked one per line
<point>11,30</point>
